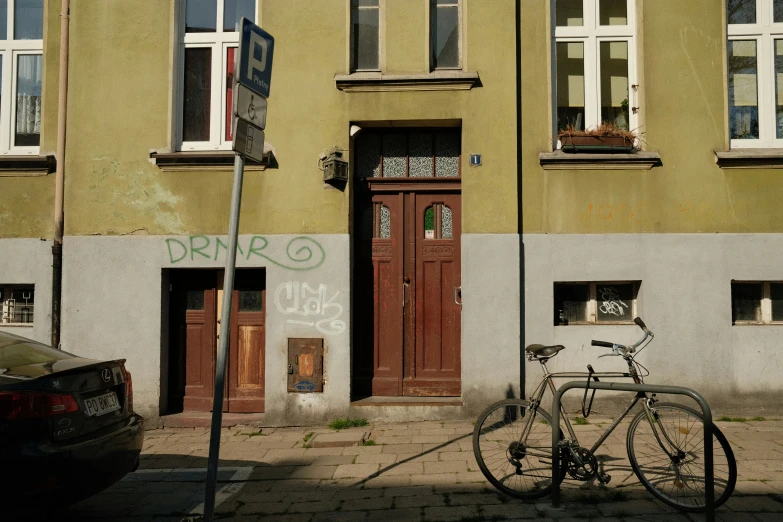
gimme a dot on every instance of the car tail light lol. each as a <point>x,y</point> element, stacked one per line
<point>31,405</point>
<point>128,388</point>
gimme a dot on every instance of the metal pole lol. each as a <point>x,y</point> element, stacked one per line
<point>225,323</point>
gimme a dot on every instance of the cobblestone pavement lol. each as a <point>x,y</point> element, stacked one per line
<point>420,471</point>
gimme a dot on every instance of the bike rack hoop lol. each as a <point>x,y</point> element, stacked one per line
<point>709,473</point>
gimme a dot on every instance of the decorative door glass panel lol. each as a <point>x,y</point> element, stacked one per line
<point>201,16</point>
<point>743,90</point>
<point>394,155</point>
<point>447,152</point>
<point>420,155</point>
<point>194,299</point>
<point>569,12</point>
<point>250,300</point>
<point>429,223</point>
<point>385,230</point>
<point>446,226</point>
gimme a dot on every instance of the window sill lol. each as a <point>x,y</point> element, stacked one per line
<point>442,80</point>
<point>26,166</point>
<point>16,325</point>
<point>560,160</point>
<point>750,159</point>
<point>207,161</point>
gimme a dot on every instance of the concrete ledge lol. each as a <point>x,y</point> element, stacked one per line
<point>560,160</point>
<point>434,81</point>
<point>201,161</point>
<point>32,165</point>
<point>750,159</point>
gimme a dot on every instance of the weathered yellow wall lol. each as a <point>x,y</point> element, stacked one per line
<point>120,96</point>
<point>27,203</point>
<point>684,111</point>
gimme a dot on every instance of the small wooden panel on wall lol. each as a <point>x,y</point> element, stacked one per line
<point>305,365</point>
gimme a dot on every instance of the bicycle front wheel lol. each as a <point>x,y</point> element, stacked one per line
<point>513,447</point>
<point>677,477</point>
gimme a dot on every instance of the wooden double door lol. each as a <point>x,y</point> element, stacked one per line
<point>407,333</point>
<point>196,306</point>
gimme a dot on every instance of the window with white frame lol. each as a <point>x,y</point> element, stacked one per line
<point>21,68</point>
<point>594,54</point>
<point>445,34</point>
<point>17,304</point>
<point>365,35</point>
<point>209,38</point>
<point>756,302</point>
<point>595,302</point>
<point>755,72</point>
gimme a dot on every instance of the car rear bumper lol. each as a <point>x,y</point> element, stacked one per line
<point>71,472</point>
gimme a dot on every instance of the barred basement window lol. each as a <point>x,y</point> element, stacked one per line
<point>756,302</point>
<point>595,302</point>
<point>17,305</point>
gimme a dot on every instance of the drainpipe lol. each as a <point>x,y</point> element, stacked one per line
<point>57,245</point>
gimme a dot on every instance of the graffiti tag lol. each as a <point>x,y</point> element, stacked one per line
<point>312,305</point>
<point>612,305</point>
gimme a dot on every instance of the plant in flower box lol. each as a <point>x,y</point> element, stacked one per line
<point>604,138</point>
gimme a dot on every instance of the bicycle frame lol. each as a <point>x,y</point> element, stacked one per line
<point>548,383</point>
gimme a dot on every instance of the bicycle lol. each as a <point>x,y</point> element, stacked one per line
<point>512,439</point>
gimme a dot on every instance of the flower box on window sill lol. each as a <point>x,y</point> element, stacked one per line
<point>596,144</point>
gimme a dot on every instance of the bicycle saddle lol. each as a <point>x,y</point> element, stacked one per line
<point>539,350</point>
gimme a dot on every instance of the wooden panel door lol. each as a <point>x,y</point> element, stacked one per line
<point>245,391</point>
<point>434,349</point>
<point>197,337</point>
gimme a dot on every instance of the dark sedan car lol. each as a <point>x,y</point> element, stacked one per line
<point>67,426</point>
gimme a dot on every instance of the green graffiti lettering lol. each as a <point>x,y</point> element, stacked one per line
<point>198,249</point>
<point>171,240</point>
<point>219,243</point>
<point>256,251</point>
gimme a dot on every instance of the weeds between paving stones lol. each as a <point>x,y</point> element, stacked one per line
<point>758,419</point>
<point>733,419</point>
<point>369,443</point>
<point>342,424</point>
<point>580,421</point>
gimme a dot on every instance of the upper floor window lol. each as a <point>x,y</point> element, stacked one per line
<point>755,70</point>
<point>209,39</point>
<point>594,52</point>
<point>445,34</point>
<point>21,67</point>
<point>365,35</point>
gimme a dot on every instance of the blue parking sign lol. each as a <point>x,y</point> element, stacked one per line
<point>256,48</point>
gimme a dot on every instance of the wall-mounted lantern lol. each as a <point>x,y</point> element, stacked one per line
<point>334,167</point>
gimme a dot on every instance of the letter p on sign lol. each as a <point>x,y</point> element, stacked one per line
<point>256,48</point>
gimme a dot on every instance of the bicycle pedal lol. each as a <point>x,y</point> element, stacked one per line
<point>604,478</point>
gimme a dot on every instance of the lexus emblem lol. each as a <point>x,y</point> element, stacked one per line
<point>106,374</point>
<point>64,423</point>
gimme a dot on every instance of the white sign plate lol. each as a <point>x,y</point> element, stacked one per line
<point>249,106</point>
<point>248,140</point>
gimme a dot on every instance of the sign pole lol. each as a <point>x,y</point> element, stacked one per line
<point>225,327</point>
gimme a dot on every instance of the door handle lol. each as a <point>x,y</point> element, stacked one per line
<point>458,293</point>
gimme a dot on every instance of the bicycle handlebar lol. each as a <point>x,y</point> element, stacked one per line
<point>623,349</point>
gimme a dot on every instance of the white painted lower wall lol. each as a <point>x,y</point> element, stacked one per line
<point>684,298</point>
<point>112,308</point>
<point>29,261</point>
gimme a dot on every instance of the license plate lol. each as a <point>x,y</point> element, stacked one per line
<point>102,404</point>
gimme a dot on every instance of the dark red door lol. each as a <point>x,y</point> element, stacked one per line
<point>407,265</point>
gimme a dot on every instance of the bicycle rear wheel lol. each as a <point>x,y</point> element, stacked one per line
<point>513,447</point>
<point>679,480</point>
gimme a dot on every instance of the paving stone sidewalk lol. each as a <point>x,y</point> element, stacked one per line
<point>418,471</point>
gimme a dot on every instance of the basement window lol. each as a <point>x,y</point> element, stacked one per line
<point>595,302</point>
<point>17,303</point>
<point>756,302</point>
